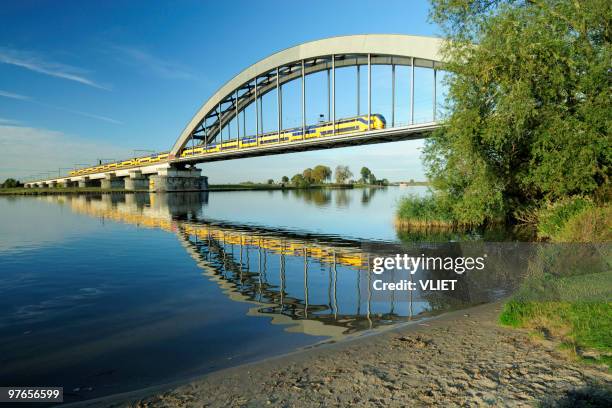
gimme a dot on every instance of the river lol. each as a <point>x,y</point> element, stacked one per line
<point>109,293</point>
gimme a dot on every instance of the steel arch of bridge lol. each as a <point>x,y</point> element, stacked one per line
<point>297,62</point>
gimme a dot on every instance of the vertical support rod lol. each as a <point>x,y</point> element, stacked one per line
<point>237,121</point>
<point>333,89</point>
<point>278,103</point>
<point>358,89</point>
<point>328,99</point>
<point>392,95</point>
<point>303,103</point>
<point>256,115</point>
<point>205,136</point>
<point>369,91</point>
<point>281,106</point>
<point>412,91</point>
<point>434,93</point>
<point>219,120</point>
<point>261,122</point>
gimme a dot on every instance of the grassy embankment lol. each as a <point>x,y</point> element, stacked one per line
<point>426,212</point>
<point>567,295</point>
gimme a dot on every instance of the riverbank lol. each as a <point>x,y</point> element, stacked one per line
<point>463,358</point>
<point>213,187</point>
<point>67,190</point>
<point>256,186</point>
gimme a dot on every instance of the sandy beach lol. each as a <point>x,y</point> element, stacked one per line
<point>462,358</point>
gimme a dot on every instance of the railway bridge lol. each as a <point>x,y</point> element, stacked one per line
<point>230,124</point>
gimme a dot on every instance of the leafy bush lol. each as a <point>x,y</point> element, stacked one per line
<point>11,183</point>
<point>592,224</point>
<point>553,217</point>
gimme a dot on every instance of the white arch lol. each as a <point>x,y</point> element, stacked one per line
<point>424,50</point>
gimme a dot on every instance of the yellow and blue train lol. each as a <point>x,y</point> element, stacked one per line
<point>343,126</point>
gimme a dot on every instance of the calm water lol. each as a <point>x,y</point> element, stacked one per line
<point>110,293</point>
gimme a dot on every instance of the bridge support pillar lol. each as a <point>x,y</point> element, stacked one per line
<point>68,184</point>
<point>136,181</point>
<point>111,182</point>
<point>89,183</point>
<point>52,184</point>
<point>172,179</point>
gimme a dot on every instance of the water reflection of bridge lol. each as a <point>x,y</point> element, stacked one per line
<point>314,284</point>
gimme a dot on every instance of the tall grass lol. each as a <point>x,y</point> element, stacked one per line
<point>567,297</point>
<point>579,326</point>
<point>423,212</point>
<point>592,224</point>
<point>553,217</point>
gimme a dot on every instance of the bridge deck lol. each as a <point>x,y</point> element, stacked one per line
<point>398,133</point>
<point>410,132</point>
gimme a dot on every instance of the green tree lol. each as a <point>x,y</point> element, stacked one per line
<point>529,105</point>
<point>365,174</point>
<point>299,181</point>
<point>321,173</point>
<point>270,181</point>
<point>11,183</point>
<point>372,178</point>
<point>307,174</point>
<point>285,179</point>
<point>342,174</point>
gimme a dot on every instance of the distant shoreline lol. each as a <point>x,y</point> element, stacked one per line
<point>20,191</point>
<point>60,191</point>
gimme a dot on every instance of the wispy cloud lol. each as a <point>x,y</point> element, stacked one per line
<point>14,95</point>
<point>5,121</point>
<point>34,62</point>
<point>28,150</point>
<point>75,112</point>
<point>158,66</point>
<point>88,115</point>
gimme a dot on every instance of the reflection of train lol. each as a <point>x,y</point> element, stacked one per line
<point>278,244</point>
<point>343,126</point>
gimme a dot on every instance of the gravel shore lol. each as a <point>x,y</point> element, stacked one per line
<point>462,358</point>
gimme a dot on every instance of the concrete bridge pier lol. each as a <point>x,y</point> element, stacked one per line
<point>175,179</point>
<point>52,184</point>
<point>68,184</point>
<point>86,182</point>
<point>111,181</point>
<point>136,181</point>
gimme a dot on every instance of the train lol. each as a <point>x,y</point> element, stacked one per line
<point>323,129</point>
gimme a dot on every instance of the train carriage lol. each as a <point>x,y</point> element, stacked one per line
<point>342,127</point>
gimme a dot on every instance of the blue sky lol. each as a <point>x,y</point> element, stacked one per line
<point>81,81</point>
